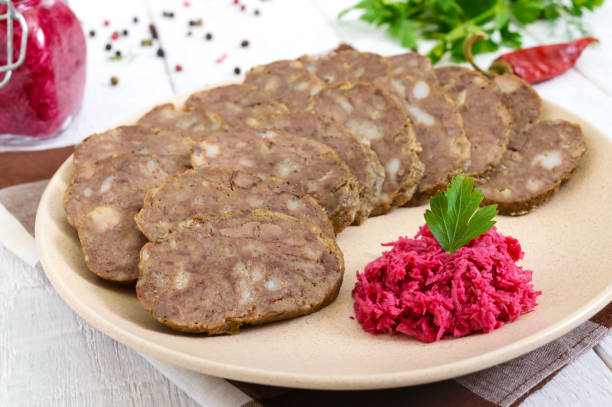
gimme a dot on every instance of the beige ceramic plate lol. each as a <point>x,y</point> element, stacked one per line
<point>568,244</point>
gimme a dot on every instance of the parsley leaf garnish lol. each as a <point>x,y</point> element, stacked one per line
<point>454,217</point>
<point>450,22</point>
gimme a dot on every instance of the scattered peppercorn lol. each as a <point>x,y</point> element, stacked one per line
<point>161,53</point>
<point>208,36</point>
<point>115,36</point>
<point>256,12</point>
<point>106,23</point>
<point>195,23</point>
<point>92,33</point>
<point>168,14</point>
<point>153,31</point>
<point>146,43</point>
<point>135,20</point>
<point>178,68</point>
<point>244,43</point>
<point>108,47</point>
<point>189,33</point>
<point>125,33</point>
<point>237,70</point>
<point>118,54</point>
<point>114,80</point>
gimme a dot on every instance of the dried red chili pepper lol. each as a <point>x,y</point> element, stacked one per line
<point>537,64</point>
<point>534,64</point>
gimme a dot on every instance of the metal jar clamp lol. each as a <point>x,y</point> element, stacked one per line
<point>10,15</point>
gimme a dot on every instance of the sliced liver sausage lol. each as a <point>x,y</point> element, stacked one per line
<point>438,128</point>
<point>305,163</point>
<point>129,139</point>
<point>214,274</point>
<point>361,160</point>
<point>213,191</point>
<point>379,122</point>
<point>531,174</point>
<point>486,120</point>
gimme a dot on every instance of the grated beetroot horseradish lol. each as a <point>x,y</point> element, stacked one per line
<point>47,89</point>
<point>419,289</point>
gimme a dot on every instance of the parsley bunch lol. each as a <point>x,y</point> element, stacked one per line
<point>450,22</point>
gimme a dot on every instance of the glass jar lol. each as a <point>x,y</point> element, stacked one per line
<point>45,90</point>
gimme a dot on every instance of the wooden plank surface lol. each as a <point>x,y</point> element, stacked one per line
<point>48,355</point>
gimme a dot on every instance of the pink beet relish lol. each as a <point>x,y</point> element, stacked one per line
<point>419,289</point>
<point>45,92</point>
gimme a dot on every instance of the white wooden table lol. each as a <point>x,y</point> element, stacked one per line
<point>42,363</point>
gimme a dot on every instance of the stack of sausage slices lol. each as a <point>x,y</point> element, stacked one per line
<point>225,210</point>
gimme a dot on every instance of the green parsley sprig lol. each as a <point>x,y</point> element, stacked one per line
<point>454,217</point>
<point>450,22</point>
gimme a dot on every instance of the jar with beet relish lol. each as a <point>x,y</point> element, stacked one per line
<point>42,69</point>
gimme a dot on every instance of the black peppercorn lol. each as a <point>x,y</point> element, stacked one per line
<point>135,20</point>
<point>209,36</point>
<point>256,12</point>
<point>125,33</point>
<point>92,33</point>
<point>161,53</point>
<point>108,47</point>
<point>118,54</point>
<point>237,70</point>
<point>244,43</point>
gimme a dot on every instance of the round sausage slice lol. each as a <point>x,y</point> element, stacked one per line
<point>111,242</point>
<point>194,125</point>
<point>524,105</point>
<point>438,128</point>
<point>366,65</point>
<point>413,64</point>
<point>377,120</point>
<point>530,175</point>
<point>212,191</point>
<point>235,104</point>
<point>331,69</point>
<point>361,160</point>
<point>302,162</point>
<point>486,120</point>
<point>124,177</point>
<point>214,274</point>
<point>129,139</point>
<point>286,81</point>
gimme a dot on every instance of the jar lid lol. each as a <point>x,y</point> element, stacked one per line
<point>10,15</point>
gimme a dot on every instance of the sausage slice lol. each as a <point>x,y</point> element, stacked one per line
<point>438,128</point>
<point>111,242</point>
<point>331,69</point>
<point>235,104</point>
<point>361,160</point>
<point>213,191</point>
<point>287,81</point>
<point>129,139</point>
<point>367,66</point>
<point>214,274</point>
<point>194,125</point>
<point>531,174</point>
<point>413,64</point>
<point>311,165</point>
<point>486,120</point>
<point>377,120</point>
<point>122,178</point>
